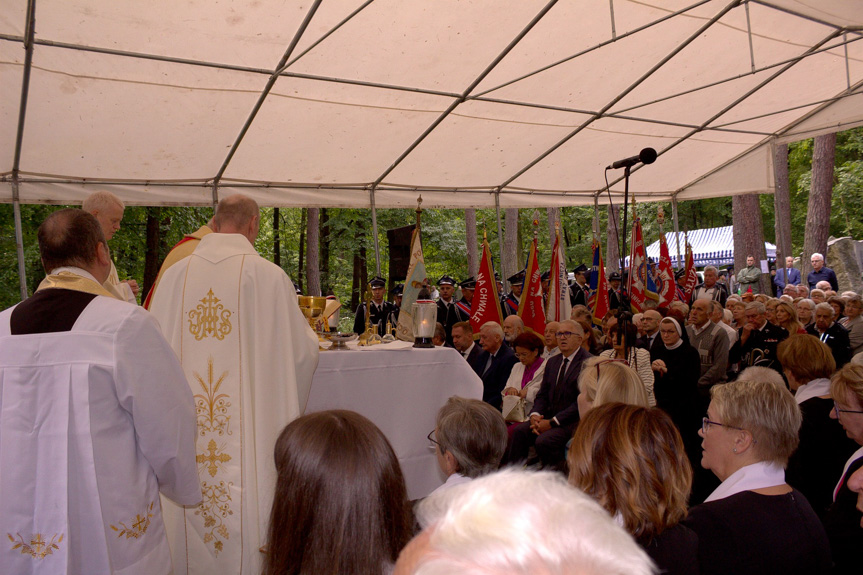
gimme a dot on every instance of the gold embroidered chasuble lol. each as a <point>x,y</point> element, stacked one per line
<point>249,356</point>
<point>93,423</point>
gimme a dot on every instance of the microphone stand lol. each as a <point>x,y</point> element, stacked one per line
<point>624,312</point>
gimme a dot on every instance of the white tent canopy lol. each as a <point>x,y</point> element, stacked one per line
<point>350,103</point>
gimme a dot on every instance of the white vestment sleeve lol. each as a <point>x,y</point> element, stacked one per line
<point>151,386</point>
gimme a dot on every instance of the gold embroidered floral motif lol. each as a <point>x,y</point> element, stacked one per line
<point>213,458</point>
<point>209,318</point>
<point>214,509</point>
<point>37,548</point>
<point>139,525</point>
<point>212,407</point>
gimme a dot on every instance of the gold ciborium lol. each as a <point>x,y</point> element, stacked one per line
<point>313,307</point>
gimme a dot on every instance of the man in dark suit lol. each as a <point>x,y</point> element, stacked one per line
<point>579,290</point>
<point>650,325</point>
<point>555,409</point>
<point>462,339</point>
<point>831,333</point>
<point>494,363</point>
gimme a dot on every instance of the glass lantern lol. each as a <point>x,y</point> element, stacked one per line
<point>424,320</point>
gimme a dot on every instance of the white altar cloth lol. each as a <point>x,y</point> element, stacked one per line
<point>400,390</point>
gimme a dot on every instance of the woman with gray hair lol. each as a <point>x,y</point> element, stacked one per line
<point>754,522</point>
<point>853,322</point>
<point>469,440</point>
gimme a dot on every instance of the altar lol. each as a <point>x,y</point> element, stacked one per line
<point>401,390</point>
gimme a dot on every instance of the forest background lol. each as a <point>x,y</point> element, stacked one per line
<point>345,245</point>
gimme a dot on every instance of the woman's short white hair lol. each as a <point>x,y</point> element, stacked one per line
<point>520,522</point>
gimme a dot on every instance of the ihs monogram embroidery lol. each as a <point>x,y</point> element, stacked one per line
<point>209,318</point>
<point>139,525</point>
<point>37,548</point>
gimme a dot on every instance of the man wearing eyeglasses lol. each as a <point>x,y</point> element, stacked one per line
<point>555,409</point>
<point>494,364</point>
<point>831,333</point>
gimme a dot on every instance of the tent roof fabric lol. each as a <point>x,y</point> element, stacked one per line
<point>347,102</point>
<point>710,247</point>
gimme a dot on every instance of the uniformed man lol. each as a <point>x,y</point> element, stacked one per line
<point>545,280</point>
<point>393,318</point>
<point>380,309</point>
<point>509,303</point>
<point>448,313</point>
<point>579,290</point>
<point>614,290</point>
<point>467,287</point>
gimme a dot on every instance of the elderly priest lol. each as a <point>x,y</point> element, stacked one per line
<point>249,355</point>
<point>95,420</point>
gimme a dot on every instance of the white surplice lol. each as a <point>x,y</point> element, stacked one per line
<point>93,423</point>
<point>249,355</point>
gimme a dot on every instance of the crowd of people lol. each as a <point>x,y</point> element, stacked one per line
<point>717,435</point>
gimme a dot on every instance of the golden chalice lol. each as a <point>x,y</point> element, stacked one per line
<point>313,307</point>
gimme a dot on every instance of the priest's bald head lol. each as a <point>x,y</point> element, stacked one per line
<point>238,214</point>
<point>74,238</point>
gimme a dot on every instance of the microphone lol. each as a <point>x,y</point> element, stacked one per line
<point>646,156</point>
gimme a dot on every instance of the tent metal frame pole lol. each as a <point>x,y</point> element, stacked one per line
<point>509,47</point>
<point>793,60</point>
<point>375,231</point>
<point>653,69</point>
<point>737,101</point>
<point>676,228</point>
<point>593,48</point>
<point>19,139</point>
<point>503,275</point>
<point>266,91</point>
<point>19,243</point>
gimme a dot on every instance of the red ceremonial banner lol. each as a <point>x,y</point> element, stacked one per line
<point>665,275</point>
<point>637,269</point>
<point>485,305</point>
<point>530,307</point>
<point>691,276</point>
<point>599,302</point>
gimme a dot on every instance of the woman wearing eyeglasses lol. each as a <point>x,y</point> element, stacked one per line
<point>754,522</point>
<point>843,520</point>
<point>808,364</point>
<point>526,375</point>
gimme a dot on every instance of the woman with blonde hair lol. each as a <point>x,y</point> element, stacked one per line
<point>623,338</point>
<point>786,318</point>
<point>604,380</point>
<point>808,364</point>
<point>843,520</point>
<point>631,460</point>
<point>754,522</point>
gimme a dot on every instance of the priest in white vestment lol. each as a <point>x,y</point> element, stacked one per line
<point>249,355</point>
<point>95,420</point>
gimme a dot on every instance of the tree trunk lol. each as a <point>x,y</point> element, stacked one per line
<point>820,196</point>
<point>277,240</point>
<point>553,216</point>
<point>325,252</point>
<point>313,269</point>
<point>749,234</point>
<point>612,250</point>
<point>471,241</point>
<point>510,244</point>
<point>782,205</point>
<point>302,252</point>
<point>151,258</point>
